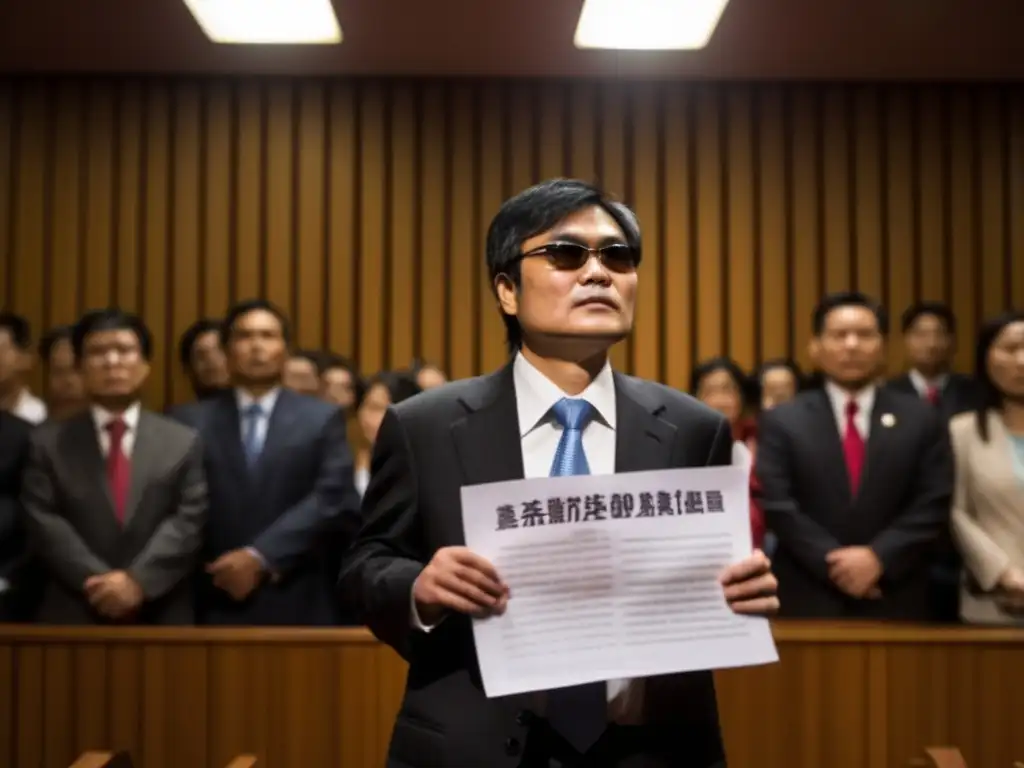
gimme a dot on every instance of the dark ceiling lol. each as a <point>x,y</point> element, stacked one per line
<point>757,39</point>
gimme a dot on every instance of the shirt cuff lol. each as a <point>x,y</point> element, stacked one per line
<point>259,556</point>
<point>414,617</point>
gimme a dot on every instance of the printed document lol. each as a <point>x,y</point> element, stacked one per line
<point>613,577</point>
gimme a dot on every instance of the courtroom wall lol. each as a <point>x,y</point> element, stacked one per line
<point>361,206</point>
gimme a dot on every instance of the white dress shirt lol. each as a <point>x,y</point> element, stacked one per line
<point>922,384</point>
<point>266,404</point>
<point>29,408</point>
<point>865,400</point>
<point>101,417</point>
<point>539,433</point>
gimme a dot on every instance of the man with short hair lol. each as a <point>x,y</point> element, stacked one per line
<point>115,497</point>
<point>855,479</point>
<point>563,261</point>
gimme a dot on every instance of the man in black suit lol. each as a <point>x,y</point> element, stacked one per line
<point>563,259</point>
<point>280,479</point>
<point>929,338</point>
<point>14,448</point>
<point>115,496</point>
<point>855,479</point>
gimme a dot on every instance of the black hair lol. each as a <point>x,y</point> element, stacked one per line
<point>399,384</point>
<point>19,329</point>
<point>934,308</point>
<point>991,398</point>
<point>308,354</point>
<point>110,319</point>
<point>712,365</point>
<point>51,339</point>
<point>537,210</point>
<point>191,335</point>
<point>253,305</point>
<point>329,361</point>
<point>834,301</point>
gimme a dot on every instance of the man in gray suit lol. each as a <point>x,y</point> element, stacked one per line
<point>115,497</point>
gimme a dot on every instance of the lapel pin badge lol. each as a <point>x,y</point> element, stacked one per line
<point>888,420</point>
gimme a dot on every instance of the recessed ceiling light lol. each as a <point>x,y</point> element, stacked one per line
<point>307,22</point>
<point>648,25</point>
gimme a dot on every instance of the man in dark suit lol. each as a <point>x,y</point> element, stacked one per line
<point>14,445</point>
<point>855,479</point>
<point>281,483</point>
<point>929,339</point>
<point>115,497</point>
<point>563,259</point>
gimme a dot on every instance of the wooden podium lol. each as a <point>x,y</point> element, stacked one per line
<point>843,696</point>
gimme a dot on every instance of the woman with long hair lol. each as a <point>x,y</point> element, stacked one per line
<point>721,384</point>
<point>988,502</point>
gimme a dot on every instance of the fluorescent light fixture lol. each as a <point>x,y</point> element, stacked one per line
<point>267,21</point>
<point>648,25</point>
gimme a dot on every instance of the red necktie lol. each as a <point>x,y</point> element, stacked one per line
<point>932,396</point>
<point>853,447</point>
<point>119,468</point>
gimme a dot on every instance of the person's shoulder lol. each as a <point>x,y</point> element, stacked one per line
<point>963,425</point>
<point>444,402</point>
<point>191,414</point>
<point>15,426</point>
<point>910,405</point>
<point>312,408</point>
<point>674,405</point>
<point>171,430</point>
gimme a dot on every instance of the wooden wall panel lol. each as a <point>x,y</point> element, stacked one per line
<point>842,696</point>
<point>361,206</point>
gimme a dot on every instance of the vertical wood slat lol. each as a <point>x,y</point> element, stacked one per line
<point>332,700</point>
<point>361,208</point>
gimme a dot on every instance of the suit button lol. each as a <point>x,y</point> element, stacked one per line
<point>524,718</point>
<point>512,747</point>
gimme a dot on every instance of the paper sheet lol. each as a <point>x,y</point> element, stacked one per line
<point>613,577</point>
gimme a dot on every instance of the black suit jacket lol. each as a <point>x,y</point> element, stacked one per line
<point>900,511</point>
<point>75,532</point>
<point>467,433</point>
<point>14,447</point>
<point>959,395</point>
<point>300,490</point>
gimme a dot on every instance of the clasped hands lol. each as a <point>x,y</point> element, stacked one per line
<point>856,571</point>
<point>115,594</point>
<point>458,580</point>
<point>237,572</point>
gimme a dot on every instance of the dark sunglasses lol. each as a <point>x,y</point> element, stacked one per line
<point>617,257</point>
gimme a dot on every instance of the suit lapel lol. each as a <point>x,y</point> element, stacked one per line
<point>487,437</point>
<point>145,456</point>
<point>885,427</point>
<point>643,440</point>
<point>228,429</point>
<point>824,424</point>
<point>282,418</point>
<point>84,450</point>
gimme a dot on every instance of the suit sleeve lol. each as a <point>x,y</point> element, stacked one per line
<point>295,533</point>
<point>171,552</point>
<point>911,536</point>
<point>11,527</point>
<point>984,557</point>
<point>388,554</point>
<point>53,538</point>
<point>805,540</point>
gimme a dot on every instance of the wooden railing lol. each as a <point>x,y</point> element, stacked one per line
<point>843,696</point>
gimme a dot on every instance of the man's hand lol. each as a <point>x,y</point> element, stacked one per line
<point>458,580</point>
<point>750,587</point>
<point>237,572</point>
<point>115,595</point>
<point>856,571</point>
<point>1010,591</point>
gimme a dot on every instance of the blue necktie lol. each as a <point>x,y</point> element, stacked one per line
<point>252,441</point>
<point>579,713</point>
